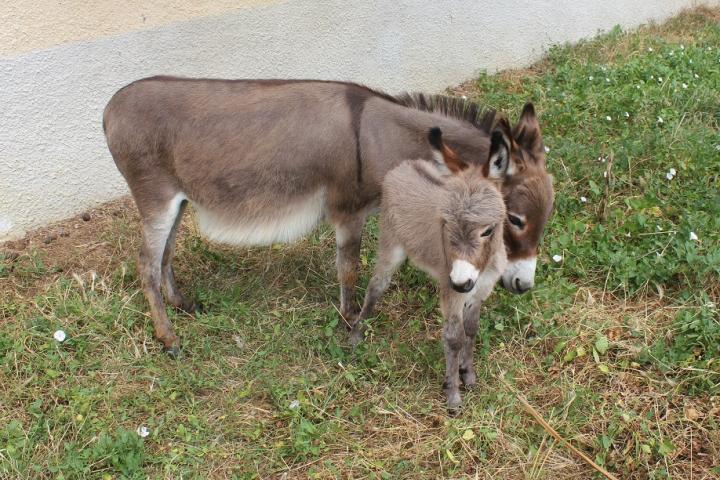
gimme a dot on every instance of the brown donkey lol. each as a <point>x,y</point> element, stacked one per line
<point>264,161</point>
<point>451,227</point>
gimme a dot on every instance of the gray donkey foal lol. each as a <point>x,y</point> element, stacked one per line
<point>450,224</point>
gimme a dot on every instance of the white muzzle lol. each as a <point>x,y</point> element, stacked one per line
<point>519,276</point>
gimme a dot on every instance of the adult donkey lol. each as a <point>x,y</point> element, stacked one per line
<point>264,161</point>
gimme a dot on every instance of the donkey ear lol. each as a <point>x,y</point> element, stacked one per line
<point>497,166</point>
<point>527,132</point>
<point>442,153</point>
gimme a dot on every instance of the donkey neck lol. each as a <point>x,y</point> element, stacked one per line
<point>393,132</point>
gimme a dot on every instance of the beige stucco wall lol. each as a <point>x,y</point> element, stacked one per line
<point>60,62</point>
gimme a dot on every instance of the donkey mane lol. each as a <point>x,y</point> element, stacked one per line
<point>454,107</point>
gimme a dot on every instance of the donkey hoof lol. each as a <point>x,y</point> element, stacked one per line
<point>356,336</point>
<point>189,306</point>
<point>173,352</point>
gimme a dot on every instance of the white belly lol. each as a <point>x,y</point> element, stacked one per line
<point>280,225</point>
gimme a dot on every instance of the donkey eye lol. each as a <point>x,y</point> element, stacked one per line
<point>488,232</point>
<point>516,221</point>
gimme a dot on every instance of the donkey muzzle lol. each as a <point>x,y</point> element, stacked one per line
<point>519,276</point>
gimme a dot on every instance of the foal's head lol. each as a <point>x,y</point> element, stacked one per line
<point>472,216</point>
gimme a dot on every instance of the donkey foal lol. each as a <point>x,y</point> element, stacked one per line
<point>449,222</point>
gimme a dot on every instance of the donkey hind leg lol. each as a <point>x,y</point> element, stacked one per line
<point>388,261</point>
<point>172,293</point>
<point>157,229</point>
<point>451,305</point>
<point>348,235</point>
<point>470,322</point>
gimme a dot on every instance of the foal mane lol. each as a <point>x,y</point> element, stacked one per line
<point>454,107</point>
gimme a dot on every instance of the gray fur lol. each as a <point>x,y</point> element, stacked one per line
<point>265,160</point>
<point>435,219</point>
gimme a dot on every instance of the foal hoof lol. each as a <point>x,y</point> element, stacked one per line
<point>468,378</point>
<point>356,336</point>
<point>173,352</point>
<point>454,404</point>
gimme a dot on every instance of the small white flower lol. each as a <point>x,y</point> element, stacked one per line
<point>627,115</point>
<point>547,149</point>
<point>608,118</point>
<point>650,49</point>
<point>143,431</point>
<point>637,86</point>
<point>59,335</point>
<point>583,199</point>
<point>658,227</point>
<point>652,77</point>
<point>603,68</point>
<point>659,79</point>
<point>295,404</point>
<point>660,120</point>
<point>693,237</point>
<point>691,61</point>
<point>673,171</point>
<point>605,174</point>
<point>669,176</point>
<point>590,77</point>
<point>682,47</point>
<point>557,258</point>
<point>671,53</point>
<point>709,48</point>
<point>684,85</point>
<point>658,254</point>
<point>717,147</point>
<point>607,79</point>
<point>628,235</point>
<point>464,97</point>
<point>697,76</point>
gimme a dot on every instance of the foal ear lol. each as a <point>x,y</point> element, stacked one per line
<point>527,132</point>
<point>442,153</point>
<point>497,166</point>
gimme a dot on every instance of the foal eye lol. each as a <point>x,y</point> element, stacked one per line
<point>516,221</point>
<point>488,232</point>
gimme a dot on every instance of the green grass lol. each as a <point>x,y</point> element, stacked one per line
<point>618,346</point>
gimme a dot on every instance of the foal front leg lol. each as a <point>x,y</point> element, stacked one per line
<point>451,304</point>
<point>471,314</point>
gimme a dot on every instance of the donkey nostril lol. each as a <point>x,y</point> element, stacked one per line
<point>519,287</point>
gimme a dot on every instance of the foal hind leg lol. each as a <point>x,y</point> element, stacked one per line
<point>172,293</point>
<point>158,220</point>
<point>390,257</point>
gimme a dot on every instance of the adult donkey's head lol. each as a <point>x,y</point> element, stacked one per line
<point>528,193</point>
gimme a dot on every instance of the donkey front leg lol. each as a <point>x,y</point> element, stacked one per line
<point>348,236</point>
<point>451,304</point>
